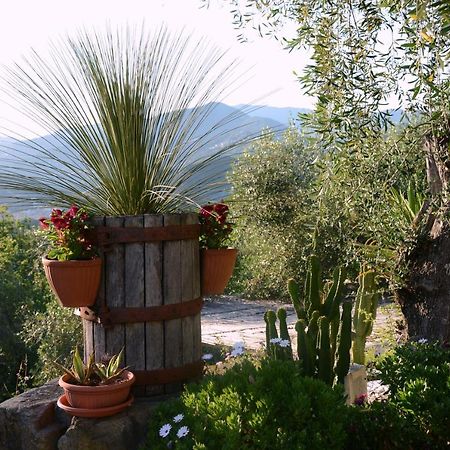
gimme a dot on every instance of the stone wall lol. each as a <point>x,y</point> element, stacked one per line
<point>32,421</point>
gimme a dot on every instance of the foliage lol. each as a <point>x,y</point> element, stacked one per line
<point>22,288</point>
<point>418,376</point>
<point>215,228</point>
<point>256,406</point>
<point>127,139</point>
<point>92,373</point>
<point>66,232</point>
<point>48,342</point>
<point>273,213</point>
<point>381,426</point>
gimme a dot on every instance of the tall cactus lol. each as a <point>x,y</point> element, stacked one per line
<point>324,336</point>
<point>325,372</point>
<point>344,344</point>
<point>275,350</point>
<point>284,334</point>
<point>366,304</point>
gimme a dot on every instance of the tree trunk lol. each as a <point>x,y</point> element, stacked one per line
<point>425,296</point>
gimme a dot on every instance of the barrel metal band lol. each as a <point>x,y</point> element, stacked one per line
<point>103,236</point>
<point>169,374</point>
<point>111,316</point>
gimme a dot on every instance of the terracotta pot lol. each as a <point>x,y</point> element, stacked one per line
<point>217,268</point>
<point>96,397</point>
<point>75,283</point>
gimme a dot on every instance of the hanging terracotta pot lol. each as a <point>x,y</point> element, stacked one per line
<point>75,283</point>
<point>98,397</point>
<point>217,268</point>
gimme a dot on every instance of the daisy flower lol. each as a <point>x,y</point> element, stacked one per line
<point>178,418</point>
<point>165,430</point>
<point>183,431</point>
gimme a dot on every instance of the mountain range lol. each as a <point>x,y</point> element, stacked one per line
<point>236,124</point>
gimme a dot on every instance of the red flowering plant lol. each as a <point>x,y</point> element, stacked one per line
<point>66,232</point>
<point>215,228</point>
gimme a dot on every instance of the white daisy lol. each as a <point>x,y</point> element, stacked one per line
<point>236,352</point>
<point>183,431</point>
<point>165,430</point>
<point>422,341</point>
<point>284,343</point>
<point>207,356</point>
<point>178,418</point>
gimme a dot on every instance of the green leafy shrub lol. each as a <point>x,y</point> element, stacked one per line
<point>381,426</point>
<point>266,405</point>
<point>272,202</point>
<point>22,289</point>
<point>51,335</point>
<point>419,379</point>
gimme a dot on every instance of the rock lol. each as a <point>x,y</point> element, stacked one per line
<point>30,421</point>
<point>124,431</point>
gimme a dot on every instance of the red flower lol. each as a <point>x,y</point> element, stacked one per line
<point>56,213</point>
<point>43,223</point>
<point>60,223</point>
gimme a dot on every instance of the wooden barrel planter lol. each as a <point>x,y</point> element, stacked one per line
<point>149,300</point>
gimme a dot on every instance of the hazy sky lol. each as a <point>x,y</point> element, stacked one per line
<point>32,23</point>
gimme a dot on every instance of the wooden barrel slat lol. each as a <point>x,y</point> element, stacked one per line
<point>173,344</point>
<point>115,289</point>
<point>99,332</point>
<point>134,296</point>
<point>145,274</point>
<point>196,293</point>
<point>154,331</point>
<point>187,290</point>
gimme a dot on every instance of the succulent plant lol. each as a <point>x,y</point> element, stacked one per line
<point>92,373</point>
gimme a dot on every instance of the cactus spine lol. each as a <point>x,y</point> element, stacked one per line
<point>366,305</point>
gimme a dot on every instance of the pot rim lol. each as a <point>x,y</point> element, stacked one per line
<point>219,249</point>
<point>127,376</point>
<point>96,260</point>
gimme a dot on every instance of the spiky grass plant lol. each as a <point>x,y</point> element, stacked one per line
<point>126,111</point>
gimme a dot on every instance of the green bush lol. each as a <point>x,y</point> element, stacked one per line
<point>272,205</point>
<point>33,329</point>
<point>419,379</point>
<point>381,426</point>
<point>266,405</point>
<point>292,199</point>
<point>51,335</point>
<point>22,289</point>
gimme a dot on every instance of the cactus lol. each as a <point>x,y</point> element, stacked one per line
<point>274,350</point>
<point>294,292</point>
<point>325,372</point>
<point>271,330</point>
<point>284,334</point>
<point>366,305</point>
<point>345,343</point>
<point>324,336</point>
<point>306,349</point>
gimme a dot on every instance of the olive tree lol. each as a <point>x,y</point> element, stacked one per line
<point>365,54</point>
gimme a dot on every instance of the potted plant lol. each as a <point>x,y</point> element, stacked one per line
<point>71,266</point>
<point>95,389</point>
<point>217,260</point>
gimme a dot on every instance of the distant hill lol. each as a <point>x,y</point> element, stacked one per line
<point>283,115</point>
<point>235,124</point>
